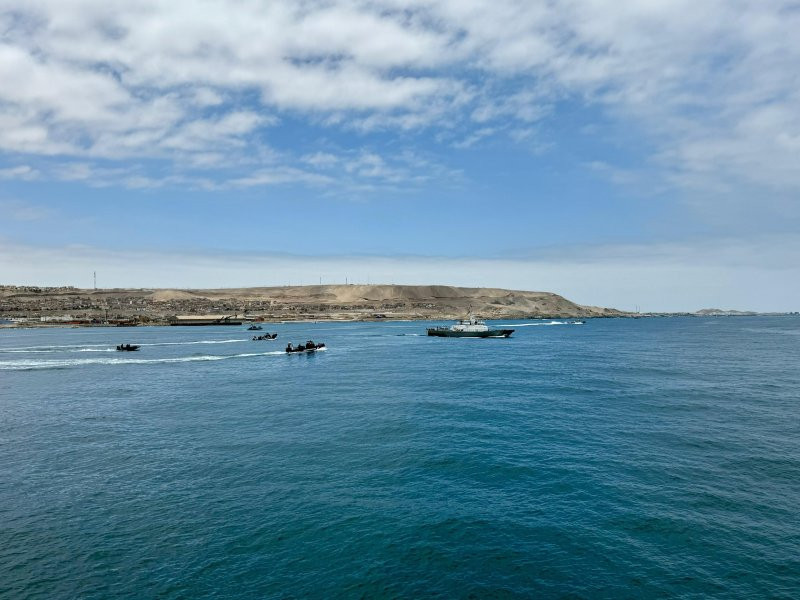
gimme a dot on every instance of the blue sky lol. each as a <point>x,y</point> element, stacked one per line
<point>623,154</point>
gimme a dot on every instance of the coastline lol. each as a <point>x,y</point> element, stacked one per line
<point>56,325</point>
<point>43,306</point>
<point>36,307</point>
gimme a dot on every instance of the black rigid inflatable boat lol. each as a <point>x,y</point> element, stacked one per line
<point>127,348</point>
<point>309,346</point>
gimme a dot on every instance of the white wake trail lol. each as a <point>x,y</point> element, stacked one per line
<point>542,324</point>
<point>18,365</point>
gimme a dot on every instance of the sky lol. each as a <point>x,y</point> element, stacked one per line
<point>635,153</point>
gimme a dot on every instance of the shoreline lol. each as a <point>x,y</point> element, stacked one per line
<point>36,307</point>
<point>56,325</point>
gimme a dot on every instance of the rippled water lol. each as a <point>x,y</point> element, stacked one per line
<point>621,458</point>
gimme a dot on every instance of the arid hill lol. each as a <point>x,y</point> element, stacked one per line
<point>294,302</point>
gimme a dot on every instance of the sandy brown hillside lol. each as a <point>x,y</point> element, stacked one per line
<point>399,300</point>
<point>316,301</point>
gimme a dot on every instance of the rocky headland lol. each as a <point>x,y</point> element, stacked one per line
<point>70,305</point>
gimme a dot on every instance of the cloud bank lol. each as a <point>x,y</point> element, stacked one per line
<point>711,85</point>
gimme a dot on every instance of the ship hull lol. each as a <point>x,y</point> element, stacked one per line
<point>495,333</point>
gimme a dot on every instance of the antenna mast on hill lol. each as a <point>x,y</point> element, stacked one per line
<point>95,279</point>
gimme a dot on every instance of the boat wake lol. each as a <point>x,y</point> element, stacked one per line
<point>103,347</point>
<point>46,349</point>
<point>775,331</point>
<point>541,324</point>
<point>58,350</point>
<point>32,364</point>
<point>192,343</point>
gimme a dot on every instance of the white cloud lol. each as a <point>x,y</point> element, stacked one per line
<point>17,210</point>
<point>280,175</point>
<point>201,134</point>
<point>320,159</point>
<point>345,173</point>
<point>711,84</point>
<point>23,172</point>
<point>207,97</point>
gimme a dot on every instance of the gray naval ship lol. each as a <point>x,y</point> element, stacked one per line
<point>470,327</point>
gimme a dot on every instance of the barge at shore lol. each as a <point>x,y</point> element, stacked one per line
<point>205,320</point>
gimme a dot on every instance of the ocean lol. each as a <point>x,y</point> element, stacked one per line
<point>621,458</point>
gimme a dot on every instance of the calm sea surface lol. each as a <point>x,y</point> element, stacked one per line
<point>638,458</point>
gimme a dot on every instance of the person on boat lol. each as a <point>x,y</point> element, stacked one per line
<point>310,345</point>
<point>290,348</point>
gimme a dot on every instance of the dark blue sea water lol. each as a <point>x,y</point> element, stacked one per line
<point>642,458</point>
